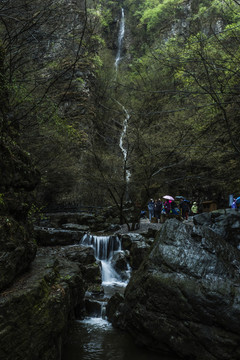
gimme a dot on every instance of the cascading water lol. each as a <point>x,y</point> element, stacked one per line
<point>120,38</point>
<point>105,247</point>
<point>94,338</point>
<point>127,173</point>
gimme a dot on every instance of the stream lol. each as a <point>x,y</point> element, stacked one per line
<point>94,338</point>
<point>98,340</point>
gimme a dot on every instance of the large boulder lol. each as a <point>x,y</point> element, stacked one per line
<point>56,220</point>
<point>53,237</point>
<point>65,220</point>
<point>184,298</point>
<point>36,311</point>
<point>90,268</point>
<point>138,251</point>
<point>129,238</point>
<point>138,245</point>
<point>225,222</point>
<point>119,263</point>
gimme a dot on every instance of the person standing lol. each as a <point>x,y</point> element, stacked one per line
<point>181,206</point>
<point>158,209</point>
<point>151,209</point>
<point>185,210</point>
<point>167,207</point>
<point>234,204</point>
<point>194,208</point>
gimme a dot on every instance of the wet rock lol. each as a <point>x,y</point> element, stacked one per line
<point>87,221</point>
<point>92,274</point>
<point>84,257</point>
<point>138,251</point>
<point>95,290</point>
<point>225,222</point>
<point>93,308</point>
<point>35,311</point>
<point>150,241</point>
<point>129,238</point>
<point>80,254</point>
<point>138,246</point>
<point>113,227</point>
<point>184,298</point>
<point>56,220</point>
<point>119,262</point>
<point>203,219</point>
<point>228,226</point>
<point>76,227</point>
<point>113,306</point>
<point>150,233</point>
<point>53,237</point>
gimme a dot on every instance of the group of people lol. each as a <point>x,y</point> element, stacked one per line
<point>235,204</point>
<point>159,207</point>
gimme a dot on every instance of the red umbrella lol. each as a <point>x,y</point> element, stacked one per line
<point>168,197</point>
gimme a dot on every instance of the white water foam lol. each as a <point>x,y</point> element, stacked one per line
<point>104,249</point>
<point>120,38</point>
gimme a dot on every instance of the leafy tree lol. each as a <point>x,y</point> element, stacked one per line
<point>50,49</point>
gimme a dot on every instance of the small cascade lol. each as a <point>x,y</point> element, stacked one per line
<point>120,38</point>
<point>106,250</point>
<point>105,247</point>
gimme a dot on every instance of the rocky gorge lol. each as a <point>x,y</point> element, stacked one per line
<point>82,108</point>
<point>43,296</point>
<point>184,300</point>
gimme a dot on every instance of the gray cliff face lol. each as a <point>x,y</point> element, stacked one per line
<point>184,299</point>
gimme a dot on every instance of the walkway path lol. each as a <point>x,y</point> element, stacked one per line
<point>144,226</point>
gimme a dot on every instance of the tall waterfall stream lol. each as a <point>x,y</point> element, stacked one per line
<point>121,34</point>
<point>94,338</point>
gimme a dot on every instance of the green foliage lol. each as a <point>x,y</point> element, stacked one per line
<point>217,9</point>
<point>101,14</point>
<point>179,84</point>
<point>156,13</point>
<point>182,97</point>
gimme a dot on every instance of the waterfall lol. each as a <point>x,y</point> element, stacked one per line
<point>121,33</point>
<point>123,149</point>
<point>104,249</point>
<point>120,38</point>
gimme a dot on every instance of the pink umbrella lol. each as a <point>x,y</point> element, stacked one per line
<point>168,197</point>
